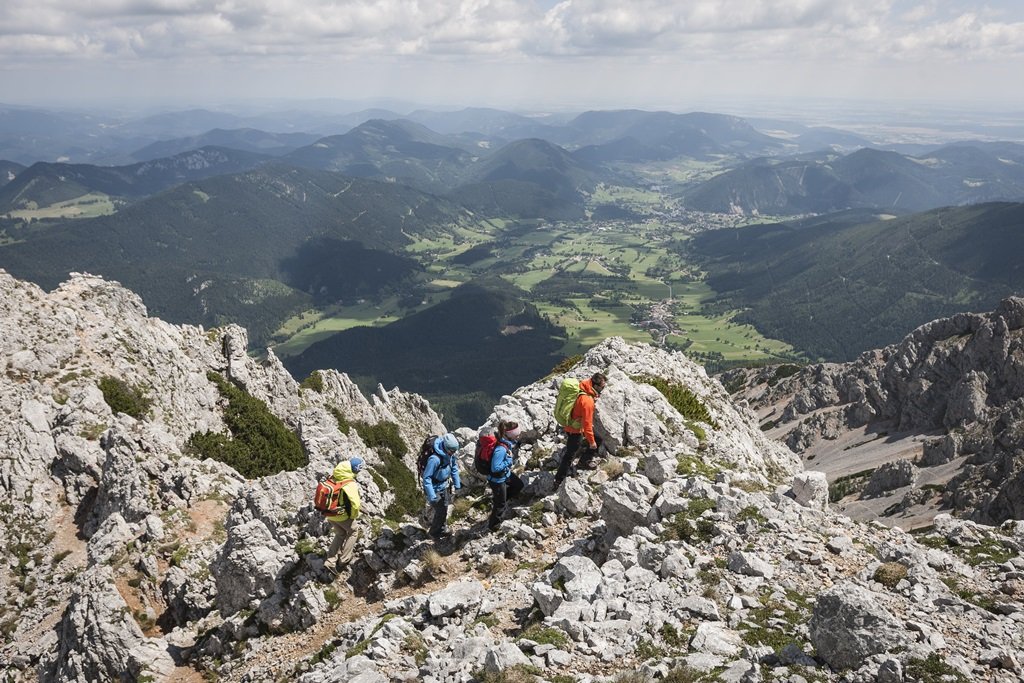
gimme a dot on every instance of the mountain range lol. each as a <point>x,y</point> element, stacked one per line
<point>835,286</point>
<point>244,247</point>
<point>953,175</point>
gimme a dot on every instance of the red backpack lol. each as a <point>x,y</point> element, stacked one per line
<point>330,496</point>
<point>485,443</point>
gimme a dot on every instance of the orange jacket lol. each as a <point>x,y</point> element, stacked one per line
<point>584,412</point>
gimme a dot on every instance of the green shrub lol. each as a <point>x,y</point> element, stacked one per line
<point>565,365</point>
<point>314,382</point>
<point>305,546</point>
<point>386,440</point>
<point>343,424</point>
<point>646,650</point>
<point>259,445</point>
<point>682,399</point>
<point>124,398</point>
<point>848,484</point>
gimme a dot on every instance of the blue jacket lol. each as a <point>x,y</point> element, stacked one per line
<point>501,462</point>
<point>440,468</point>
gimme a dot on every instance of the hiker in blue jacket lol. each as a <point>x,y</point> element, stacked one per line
<point>504,482</point>
<point>440,478</point>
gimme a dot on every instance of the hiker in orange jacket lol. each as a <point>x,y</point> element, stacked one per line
<point>583,410</point>
<point>344,535</point>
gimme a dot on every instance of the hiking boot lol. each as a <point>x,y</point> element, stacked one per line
<point>588,465</point>
<point>441,536</point>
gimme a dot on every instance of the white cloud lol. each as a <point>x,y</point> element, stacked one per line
<point>543,36</point>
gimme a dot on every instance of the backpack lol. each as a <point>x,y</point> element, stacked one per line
<point>485,443</point>
<point>426,450</point>
<point>330,495</point>
<point>568,392</point>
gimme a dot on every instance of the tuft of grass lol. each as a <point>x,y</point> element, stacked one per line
<point>546,636</point>
<point>520,673</point>
<point>751,514</point>
<point>694,465</point>
<point>646,650</point>
<point>332,598</point>
<point>417,647</point>
<point>687,525</point>
<point>890,573</point>
<point>434,562</point>
<point>613,468</point>
<point>934,669</point>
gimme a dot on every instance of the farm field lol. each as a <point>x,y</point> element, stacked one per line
<point>87,206</point>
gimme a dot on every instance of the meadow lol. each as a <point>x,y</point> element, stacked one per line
<point>595,279</point>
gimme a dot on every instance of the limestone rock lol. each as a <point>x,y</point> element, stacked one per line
<point>850,625</point>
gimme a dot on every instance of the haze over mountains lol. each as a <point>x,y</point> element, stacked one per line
<point>269,218</point>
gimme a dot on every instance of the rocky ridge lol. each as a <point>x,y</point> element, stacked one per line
<point>952,392</point>
<point>699,548</point>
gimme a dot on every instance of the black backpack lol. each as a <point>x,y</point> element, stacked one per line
<point>426,450</point>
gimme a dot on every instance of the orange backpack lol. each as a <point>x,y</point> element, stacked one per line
<point>330,495</point>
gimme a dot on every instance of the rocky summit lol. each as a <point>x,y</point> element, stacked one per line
<point>157,495</point>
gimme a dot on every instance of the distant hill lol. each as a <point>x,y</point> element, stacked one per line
<point>463,353</point>
<point>399,150</point>
<point>8,170</point>
<point>664,135</point>
<point>835,288</point>
<point>952,175</point>
<point>810,138</point>
<point>249,247</point>
<point>489,122</point>
<point>43,184</point>
<point>538,162</point>
<point>243,139</point>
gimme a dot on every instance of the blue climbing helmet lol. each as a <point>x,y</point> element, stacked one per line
<point>356,463</point>
<point>449,444</point>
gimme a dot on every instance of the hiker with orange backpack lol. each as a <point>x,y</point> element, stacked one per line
<point>338,498</point>
<point>578,422</point>
<point>503,481</point>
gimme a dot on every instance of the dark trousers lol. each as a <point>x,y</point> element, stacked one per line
<point>440,512</point>
<point>500,493</point>
<point>575,446</point>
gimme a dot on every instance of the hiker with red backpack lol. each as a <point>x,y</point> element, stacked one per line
<point>578,422</point>
<point>338,498</point>
<point>503,481</point>
<point>440,480</point>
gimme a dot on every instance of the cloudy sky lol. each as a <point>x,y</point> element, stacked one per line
<point>531,53</point>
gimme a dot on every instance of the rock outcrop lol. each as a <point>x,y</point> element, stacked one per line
<point>955,385</point>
